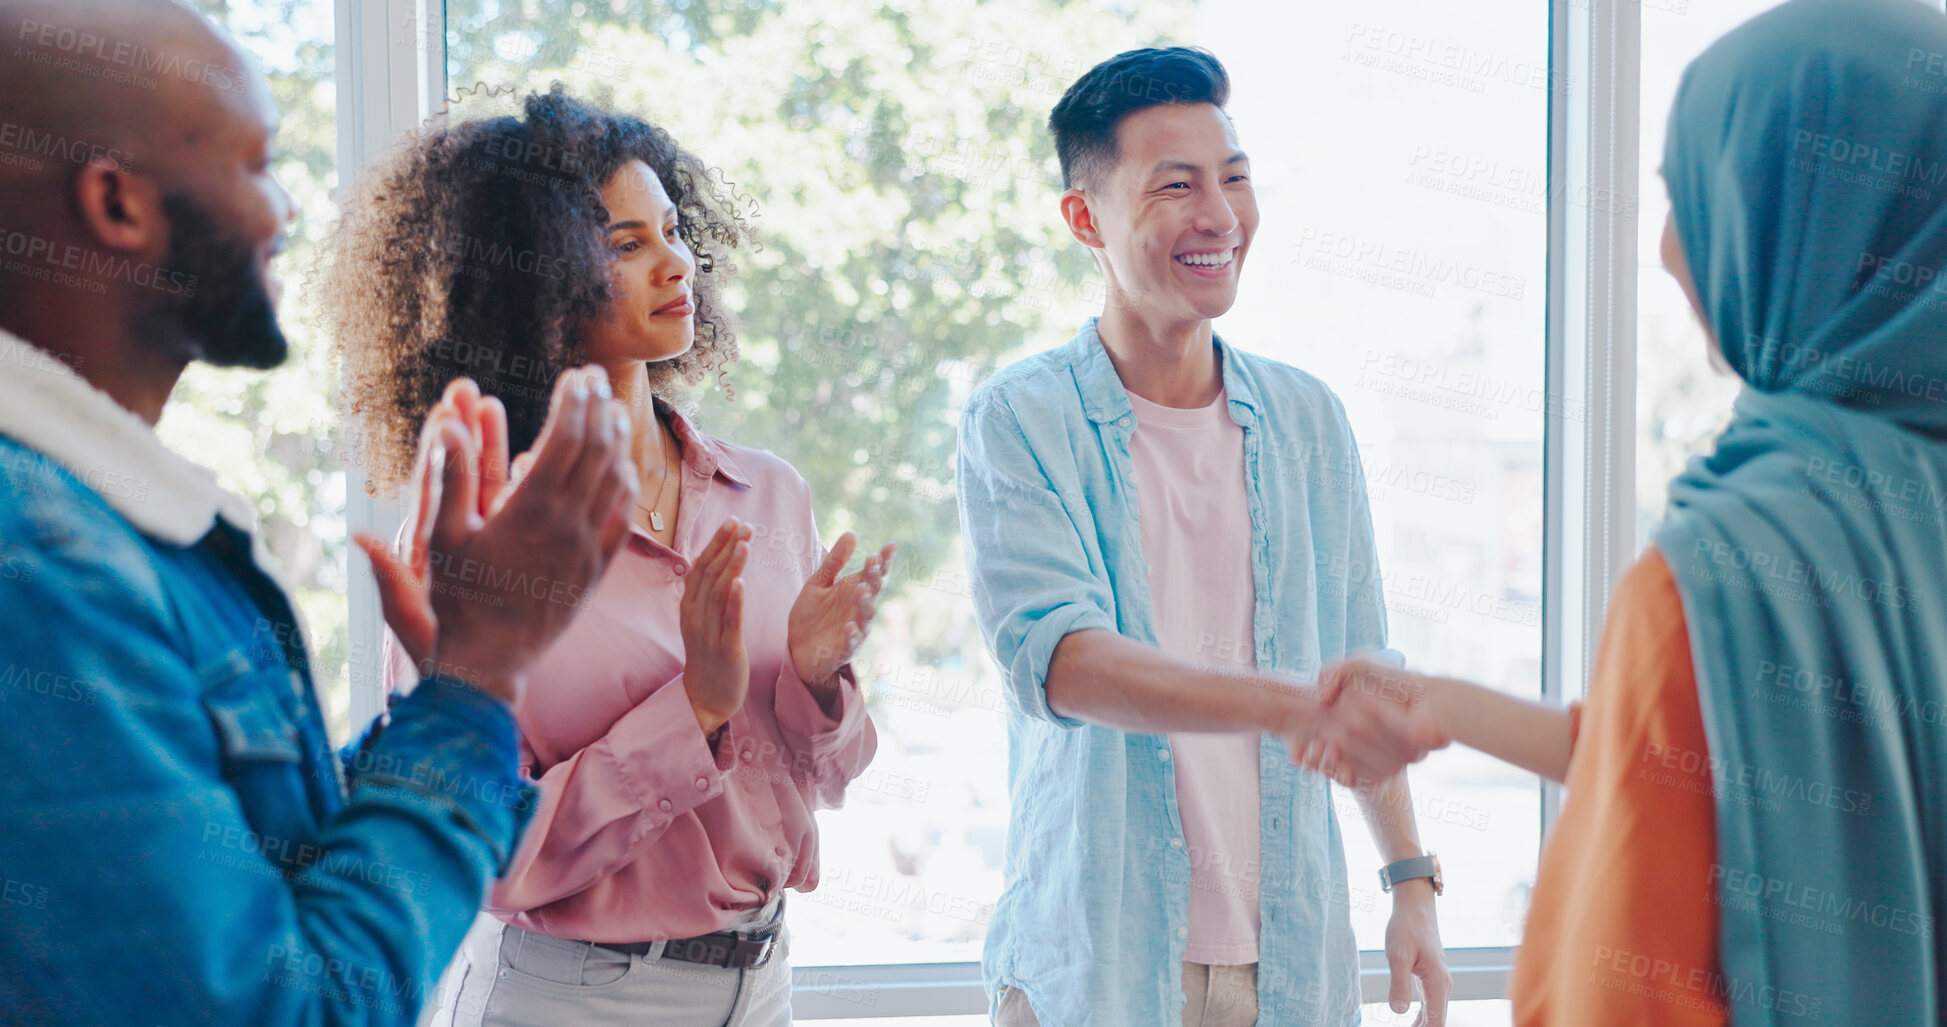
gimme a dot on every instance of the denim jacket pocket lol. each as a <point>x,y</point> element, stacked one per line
<point>262,757</point>
<point>249,719</point>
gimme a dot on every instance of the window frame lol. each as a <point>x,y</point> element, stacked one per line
<point>391,76</point>
<point>1589,458</point>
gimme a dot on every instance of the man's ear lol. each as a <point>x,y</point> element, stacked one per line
<point>1080,216</point>
<point>120,211</point>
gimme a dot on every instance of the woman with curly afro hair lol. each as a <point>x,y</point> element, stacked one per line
<point>686,727</point>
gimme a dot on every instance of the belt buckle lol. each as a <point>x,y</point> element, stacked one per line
<point>764,947</point>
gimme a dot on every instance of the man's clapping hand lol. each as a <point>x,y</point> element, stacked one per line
<point>493,573</point>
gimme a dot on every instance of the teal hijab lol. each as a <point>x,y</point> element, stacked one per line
<point>1807,167</point>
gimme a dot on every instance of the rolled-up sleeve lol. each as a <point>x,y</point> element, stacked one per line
<point>1030,573</point>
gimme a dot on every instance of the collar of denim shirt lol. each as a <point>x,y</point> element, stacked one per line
<point>1105,399</point>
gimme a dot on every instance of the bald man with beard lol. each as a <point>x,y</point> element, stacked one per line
<point>178,842</point>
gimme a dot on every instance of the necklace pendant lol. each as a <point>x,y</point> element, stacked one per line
<point>655,520</point>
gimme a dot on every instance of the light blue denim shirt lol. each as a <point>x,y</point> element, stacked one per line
<point>1094,917</point>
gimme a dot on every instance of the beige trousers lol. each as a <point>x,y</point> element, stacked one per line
<point>507,977</point>
<point>1213,996</point>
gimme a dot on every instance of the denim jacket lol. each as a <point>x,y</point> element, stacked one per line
<point>1093,919</point>
<point>178,842</point>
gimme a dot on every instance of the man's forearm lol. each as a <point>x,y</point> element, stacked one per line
<point>1103,678</point>
<point>1388,807</point>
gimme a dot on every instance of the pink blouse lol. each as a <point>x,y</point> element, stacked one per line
<point>648,830</point>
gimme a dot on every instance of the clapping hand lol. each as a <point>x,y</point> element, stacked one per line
<point>404,592</point>
<point>716,667</point>
<point>829,621</point>
<point>460,599</point>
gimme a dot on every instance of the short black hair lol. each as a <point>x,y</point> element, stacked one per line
<point>1085,120</point>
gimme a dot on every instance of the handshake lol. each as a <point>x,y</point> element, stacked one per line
<point>1367,721</point>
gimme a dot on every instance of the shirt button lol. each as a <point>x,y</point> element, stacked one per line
<point>1183,932</point>
<point>1276,823</point>
<point>666,806</point>
<point>702,784</point>
<point>682,568</point>
<point>1163,754</point>
<point>782,851</point>
<point>1176,843</point>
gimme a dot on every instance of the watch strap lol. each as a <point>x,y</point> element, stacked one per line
<point>1408,869</point>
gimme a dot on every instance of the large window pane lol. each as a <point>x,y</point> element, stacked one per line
<point>1400,150</point>
<point>905,189</point>
<point>272,437</point>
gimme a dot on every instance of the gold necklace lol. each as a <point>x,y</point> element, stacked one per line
<point>655,512</point>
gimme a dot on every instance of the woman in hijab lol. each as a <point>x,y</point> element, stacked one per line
<point>1755,827</point>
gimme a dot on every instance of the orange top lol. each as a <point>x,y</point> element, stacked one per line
<point>1622,928</point>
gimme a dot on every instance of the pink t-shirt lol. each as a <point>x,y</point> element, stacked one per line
<point>647,830</point>
<point>1196,535</point>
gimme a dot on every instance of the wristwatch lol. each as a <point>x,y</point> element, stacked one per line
<point>1427,866</point>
